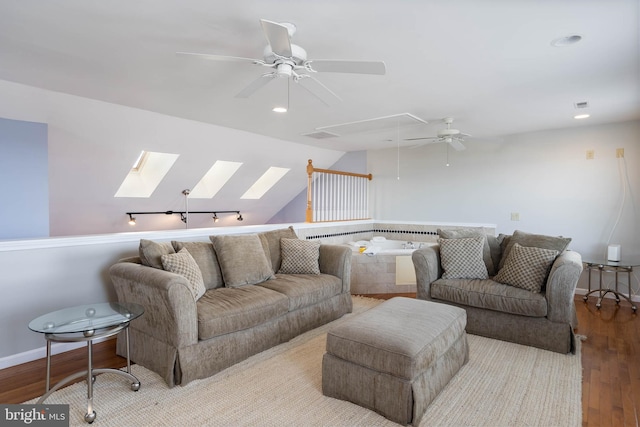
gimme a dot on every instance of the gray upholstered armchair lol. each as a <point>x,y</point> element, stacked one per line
<point>543,319</point>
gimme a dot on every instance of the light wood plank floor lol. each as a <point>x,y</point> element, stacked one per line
<point>610,360</point>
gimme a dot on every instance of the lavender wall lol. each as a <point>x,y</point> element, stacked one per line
<point>24,188</point>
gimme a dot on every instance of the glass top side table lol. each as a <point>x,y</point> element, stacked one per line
<point>87,323</point>
<point>616,267</point>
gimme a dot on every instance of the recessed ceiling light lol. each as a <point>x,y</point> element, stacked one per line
<point>279,109</point>
<point>566,40</point>
<point>581,116</point>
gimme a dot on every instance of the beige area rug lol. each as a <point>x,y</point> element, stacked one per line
<point>503,384</point>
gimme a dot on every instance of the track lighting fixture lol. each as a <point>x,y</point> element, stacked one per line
<point>184,215</point>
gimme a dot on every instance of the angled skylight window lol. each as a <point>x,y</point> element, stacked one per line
<point>265,182</point>
<point>214,179</point>
<point>146,174</point>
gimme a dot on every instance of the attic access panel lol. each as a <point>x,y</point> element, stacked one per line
<point>377,124</point>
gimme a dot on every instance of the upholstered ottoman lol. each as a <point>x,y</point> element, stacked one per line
<point>396,357</point>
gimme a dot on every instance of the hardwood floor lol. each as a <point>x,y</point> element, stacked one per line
<point>610,361</point>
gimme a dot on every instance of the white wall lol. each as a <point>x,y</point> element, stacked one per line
<point>543,176</point>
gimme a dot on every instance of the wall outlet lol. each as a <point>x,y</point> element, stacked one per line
<point>590,154</point>
<point>515,216</point>
<point>619,153</point>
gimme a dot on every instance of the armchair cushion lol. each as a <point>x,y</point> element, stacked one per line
<point>299,256</point>
<point>242,259</point>
<point>527,267</point>
<point>182,263</point>
<point>462,258</point>
<point>490,295</point>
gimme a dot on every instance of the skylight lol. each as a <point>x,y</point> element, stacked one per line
<point>214,179</point>
<point>265,182</point>
<point>146,174</point>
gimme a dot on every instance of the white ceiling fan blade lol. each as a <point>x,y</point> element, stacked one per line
<point>457,145</point>
<point>278,37</point>
<point>220,57</point>
<point>465,135</point>
<point>319,90</point>
<point>432,138</point>
<point>255,85</point>
<point>337,66</point>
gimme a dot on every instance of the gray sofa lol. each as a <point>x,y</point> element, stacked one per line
<point>543,318</point>
<point>247,305</point>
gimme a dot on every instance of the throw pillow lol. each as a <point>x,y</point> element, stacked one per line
<point>527,267</point>
<point>271,240</point>
<point>205,257</point>
<point>242,259</point>
<point>472,232</point>
<point>462,258</point>
<point>299,256</point>
<point>182,263</point>
<point>150,252</point>
<point>534,240</point>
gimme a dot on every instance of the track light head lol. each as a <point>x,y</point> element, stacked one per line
<point>132,220</point>
<point>215,217</point>
<point>183,217</point>
<point>239,218</point>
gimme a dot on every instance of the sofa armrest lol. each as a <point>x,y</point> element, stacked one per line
<point>336,260</point>
<point>561,287</point>
<point>426,262</point>
<point>169,309</point>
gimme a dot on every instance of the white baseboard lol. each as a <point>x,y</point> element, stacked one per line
<point>41,353</point>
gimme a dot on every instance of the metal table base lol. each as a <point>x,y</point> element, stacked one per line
<point>88,336</point>
<point>602,292</point>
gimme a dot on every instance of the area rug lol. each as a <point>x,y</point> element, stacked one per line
<point>503,384</point>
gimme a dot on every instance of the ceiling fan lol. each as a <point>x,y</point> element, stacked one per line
<point>288,60</point>
<point>453,137</point>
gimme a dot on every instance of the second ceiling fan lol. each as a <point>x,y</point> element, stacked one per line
<point>288,60</point>
<point>453,137</point>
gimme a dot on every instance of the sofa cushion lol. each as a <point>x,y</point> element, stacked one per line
<point>299,256</point>
<point>462,258</point>
<point>182,263</point>
<point>527,267</point>
<point>472,232</point>
<point>304,290</point>
<point>271,241</point>
<point>490,295</point>
<point>227,310</point>
<point>205,257</point>
<point>150,252</point>
<point>533,240</point>
<point>242,259</point>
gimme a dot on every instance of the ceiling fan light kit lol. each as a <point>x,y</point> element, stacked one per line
<point>290,61</point>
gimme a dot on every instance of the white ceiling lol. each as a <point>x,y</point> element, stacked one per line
<point>489,64</point>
